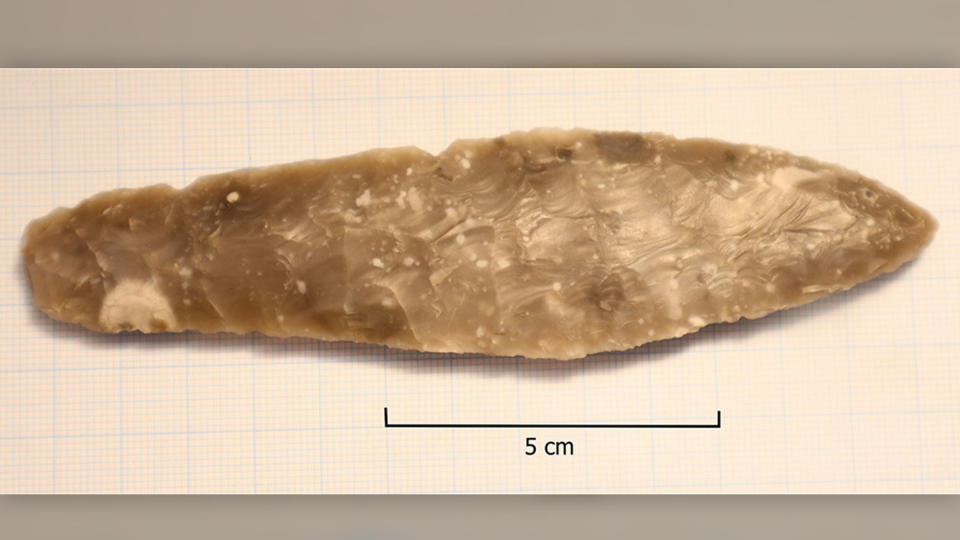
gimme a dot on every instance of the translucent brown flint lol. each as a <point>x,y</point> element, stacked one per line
<point>547,243</point>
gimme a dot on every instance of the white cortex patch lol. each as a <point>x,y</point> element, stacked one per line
<point>136,305</point>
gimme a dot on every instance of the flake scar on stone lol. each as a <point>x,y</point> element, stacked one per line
<point>546,244</point>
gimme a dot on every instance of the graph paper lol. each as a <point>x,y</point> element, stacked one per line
<point>856,393</point>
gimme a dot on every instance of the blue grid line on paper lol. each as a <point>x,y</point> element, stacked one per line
<point>591,93</point>
<point>116,134</point>
<point>53,342</point>
<point>313,133</point>
<point>846,328</point>
<point>186,335</point>
<point>912,307</point>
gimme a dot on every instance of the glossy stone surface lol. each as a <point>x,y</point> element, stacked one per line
<point>548,243</point>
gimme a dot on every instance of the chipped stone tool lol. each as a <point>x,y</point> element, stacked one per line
<point>548,243</point>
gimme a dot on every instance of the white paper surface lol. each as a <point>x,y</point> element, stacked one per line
<point>857,393</point>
